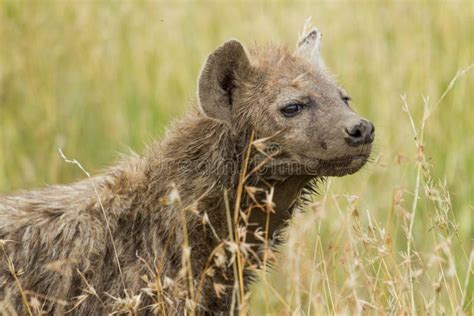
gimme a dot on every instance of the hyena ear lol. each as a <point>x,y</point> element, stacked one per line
<point>309,47</point>
<point>218,78</point>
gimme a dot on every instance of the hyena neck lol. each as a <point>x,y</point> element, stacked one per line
<point>211,162</point>
<point>200,158</point>
<point>285,195</point>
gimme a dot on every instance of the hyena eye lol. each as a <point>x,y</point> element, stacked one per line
<point>346,100</point>
<point>291,110</point>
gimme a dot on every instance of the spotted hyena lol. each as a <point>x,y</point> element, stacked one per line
<point>182,226</point>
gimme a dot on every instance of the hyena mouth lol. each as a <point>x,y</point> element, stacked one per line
<point>345,161</point>
<point>343,165</point>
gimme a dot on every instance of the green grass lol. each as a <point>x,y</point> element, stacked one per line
<point>94,78</point>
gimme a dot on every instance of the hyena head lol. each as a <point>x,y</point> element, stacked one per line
<point>289,99</point>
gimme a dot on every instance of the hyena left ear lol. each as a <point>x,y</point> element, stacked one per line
<point>309,47</point>
<point>219,76</point>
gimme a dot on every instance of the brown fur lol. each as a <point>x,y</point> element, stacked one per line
<point>114,242</point>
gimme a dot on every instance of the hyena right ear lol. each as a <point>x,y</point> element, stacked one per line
<point>217,80</point>
<point>309,47</point>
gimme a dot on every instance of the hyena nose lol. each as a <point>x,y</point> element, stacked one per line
<point>362,132</point>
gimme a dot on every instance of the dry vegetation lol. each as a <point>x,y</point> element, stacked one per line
<point>397,237</point>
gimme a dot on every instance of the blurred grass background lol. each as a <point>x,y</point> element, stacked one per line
<point>94,78</point>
